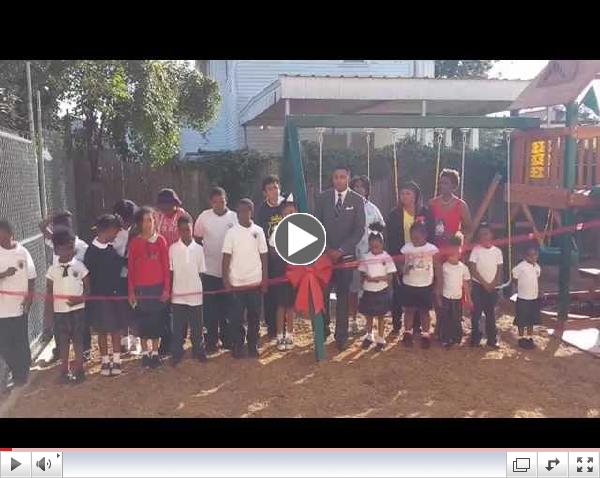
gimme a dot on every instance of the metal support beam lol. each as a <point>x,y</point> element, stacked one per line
<point>412,121</point>
<point>566,245</point>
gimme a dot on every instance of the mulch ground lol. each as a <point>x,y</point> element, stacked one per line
<point>553,380</point>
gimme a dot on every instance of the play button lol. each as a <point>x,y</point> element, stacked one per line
<point>300,239</point>
<point>14,464</point>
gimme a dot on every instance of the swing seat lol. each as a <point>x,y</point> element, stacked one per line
<point>551,256</point>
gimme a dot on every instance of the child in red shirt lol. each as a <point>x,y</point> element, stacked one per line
<point>149,283</point>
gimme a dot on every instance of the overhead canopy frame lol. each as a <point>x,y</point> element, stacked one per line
<point>291,168</point>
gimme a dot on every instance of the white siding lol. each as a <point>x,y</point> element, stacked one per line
<point>240,80</point>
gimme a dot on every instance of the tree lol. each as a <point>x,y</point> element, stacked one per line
<point>47,76</point>
<point>463,68</point>
<point>135,106</point>
<point>138,106</point>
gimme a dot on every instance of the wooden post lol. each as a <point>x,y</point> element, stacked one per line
<point>487,199</point>
<point>569,171</point>
<point>40,163</point>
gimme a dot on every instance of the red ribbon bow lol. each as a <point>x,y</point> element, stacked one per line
<point>309,281</point>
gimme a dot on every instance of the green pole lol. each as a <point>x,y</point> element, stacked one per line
<point>292,171</point>
<point>566,245</point>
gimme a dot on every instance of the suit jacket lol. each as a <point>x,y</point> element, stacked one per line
<point>344,230</point>
<point>395,228</point>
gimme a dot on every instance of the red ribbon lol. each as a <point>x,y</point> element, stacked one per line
<point>309,281</point>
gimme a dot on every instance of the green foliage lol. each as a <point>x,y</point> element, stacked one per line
<point>137,106</point>
<point>463,68</point>
<point>415,162</point>
<point>238,172</point>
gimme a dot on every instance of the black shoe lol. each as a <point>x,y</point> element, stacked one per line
<point>78,377</point>
<point>475,344</point>
<point>522,343</point>
<point>379,347</point>
<point>493,346</point>
<point>253,352</point>
<point>212,349</point>
<point>531,343</point>
<point>341,345</point>
<point>155,361</point>
<point>202,357</point>
<point>227,346</point>
<point>407,339</point>
<point>146,361</point>
<point>366,344</point>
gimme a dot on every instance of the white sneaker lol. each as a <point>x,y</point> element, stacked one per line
<point>289,344</point>
<point>281,344</point>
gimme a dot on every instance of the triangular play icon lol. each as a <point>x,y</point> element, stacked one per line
<point>298,239</point>
<point>14,464</point>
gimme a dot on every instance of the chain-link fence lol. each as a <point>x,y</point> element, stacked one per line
<point>20,204</point>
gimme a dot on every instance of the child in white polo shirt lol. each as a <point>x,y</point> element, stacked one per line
<point>186,260</point>
<point>527,274</point>
<point>245,273</point>
<point>486,272</point>
<point>17,274</point>
<point>68,277</point>
<point>376,269</point>
<point>455,290</point>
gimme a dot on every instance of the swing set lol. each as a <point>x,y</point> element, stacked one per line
<point>553,168</point>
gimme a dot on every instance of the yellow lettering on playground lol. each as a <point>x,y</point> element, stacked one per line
<point>537,160</point>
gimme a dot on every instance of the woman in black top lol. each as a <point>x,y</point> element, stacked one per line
<point>108,316</point>
<point>410,209</point>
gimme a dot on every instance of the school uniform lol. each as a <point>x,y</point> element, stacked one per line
<point>69,320</point>
<point>528,302</point>
<point>187,263</point>
<point>120,245</point>
<point>212,229</point>
<point>486,260</point>
<point>376,298</point>
<point>418,275</point>
<point>398,226</point>
<point>450,320</point>
<point>372,214</point>
<point>105,266</point>
<point>80,250</point>
<point>245,245</point>
<point>14,340</point>
<point>148,278</point>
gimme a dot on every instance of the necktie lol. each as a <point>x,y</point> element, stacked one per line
<point>65,271</point>
<point>338,204</point>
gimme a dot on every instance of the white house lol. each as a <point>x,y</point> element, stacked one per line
<point>258,94</point>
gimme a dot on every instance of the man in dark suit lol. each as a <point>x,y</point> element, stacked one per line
<point>342,213</point>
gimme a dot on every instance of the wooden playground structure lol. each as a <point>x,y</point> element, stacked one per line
<point>555,168</point>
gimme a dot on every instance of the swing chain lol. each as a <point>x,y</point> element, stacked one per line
<point>320,132</point>
<point>368,132</point>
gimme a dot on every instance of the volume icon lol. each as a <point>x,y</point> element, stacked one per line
<point>43,463</point>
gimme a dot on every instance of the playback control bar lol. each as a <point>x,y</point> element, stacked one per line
<point>298,463</point>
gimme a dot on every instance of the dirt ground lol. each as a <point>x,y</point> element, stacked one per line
<point>553,380</point>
